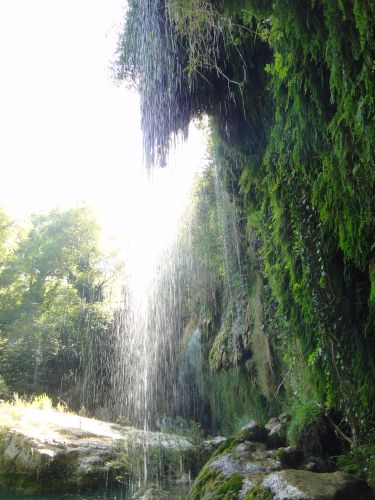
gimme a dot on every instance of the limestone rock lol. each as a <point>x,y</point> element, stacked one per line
<point>213,444</point>
<point>242,469</point>
<point>277,428</point>
<point>234,470</point>
<point>293,484</point>
<point>48,451</point>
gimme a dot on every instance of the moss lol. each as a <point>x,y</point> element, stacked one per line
<point>275,440</point>
<point>208,480</point>
<point>234,399</point>
<point>290,457</point>
<point>227,447</point>
<point>211,483</point>
<point>259,494</point>
<point>222,350</point>
<point>230,487</point>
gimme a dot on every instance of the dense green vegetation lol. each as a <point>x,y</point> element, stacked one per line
<point>53,279</point>
<point>223,298</point>
<point>290,90</point>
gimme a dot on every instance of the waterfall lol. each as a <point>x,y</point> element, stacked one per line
<point>132,375</point>
<point>156,358</point>
<point>156,335</point>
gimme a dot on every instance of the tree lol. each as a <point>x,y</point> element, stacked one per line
<point>52,298</point>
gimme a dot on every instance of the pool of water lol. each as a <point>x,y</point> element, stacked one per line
<point>171,492</point>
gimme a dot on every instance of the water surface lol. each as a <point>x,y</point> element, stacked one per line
<point>175,492</point>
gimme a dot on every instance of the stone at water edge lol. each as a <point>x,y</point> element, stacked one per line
<point>292,484</point>
<point>241,470</point>
<point>234,469</point>
<point>47,451</point>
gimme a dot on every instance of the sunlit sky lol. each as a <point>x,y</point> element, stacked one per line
<point>68,133</point>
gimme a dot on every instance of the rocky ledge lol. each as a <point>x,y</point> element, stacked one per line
<point>47,451</point>
<point>255,464</point>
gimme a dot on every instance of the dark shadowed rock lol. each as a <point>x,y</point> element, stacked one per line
<point>253,432</point>
<point>277,435</point>
<point>290,457</point>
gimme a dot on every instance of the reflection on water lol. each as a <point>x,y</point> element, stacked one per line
<point>148,492</point>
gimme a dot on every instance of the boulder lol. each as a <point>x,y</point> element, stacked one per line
<point>241,469</point>
<point>290,457</point>
<point>303,485</point>
<point>48,451</point>
<point>234,470</point>
<point>253,431</point>
<point>277,431</point>
<point>204,451</point>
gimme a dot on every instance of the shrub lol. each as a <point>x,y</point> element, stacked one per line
<point>4,390</point>
<point>360,460</point>
<point>307,428</point>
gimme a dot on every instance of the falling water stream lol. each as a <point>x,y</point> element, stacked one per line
<point>150,322</point>
<point>155,366</point>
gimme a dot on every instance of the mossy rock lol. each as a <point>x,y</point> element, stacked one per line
<point>259,494</point>
<point>211,483</point>
<point>299,484</point>
<point>290,457</point>
<point>235,468</point>
<point>253,432</point>
<point>275,440</point>
<point>277,436</point>
<point>227,447</point>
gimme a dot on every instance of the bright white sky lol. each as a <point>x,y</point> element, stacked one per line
<point>68,134</point>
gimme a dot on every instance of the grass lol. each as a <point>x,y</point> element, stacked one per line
<point>13,408</point>
<point>40,402</point>
<point>307,427</point>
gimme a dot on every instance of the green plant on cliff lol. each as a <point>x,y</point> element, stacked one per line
<point>295,142</point>
<point>307,428</point>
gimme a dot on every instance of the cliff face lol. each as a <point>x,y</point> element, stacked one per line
<point>290,92</point>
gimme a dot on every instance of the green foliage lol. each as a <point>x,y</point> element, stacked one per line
<point>212,484</point>
<point>259,494</point>
<point>360,461</point>
<point>235,399</point>
<point>4,390</point>
<point>307,428</point>
<point>52,283</point>
<point>290,88</point>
